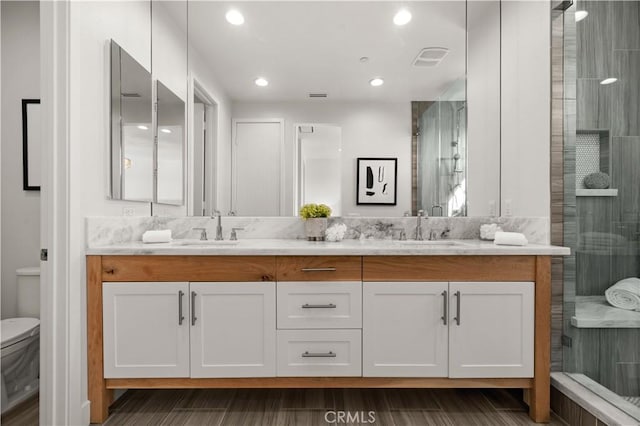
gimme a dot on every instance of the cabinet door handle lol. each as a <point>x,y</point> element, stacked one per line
<point>328,306</point>
<point>308,354</point>
<point>329,269</point>
<point>180,313</point>
<point>445,306</point>
<point>458,297</point>
<point>193,308</point>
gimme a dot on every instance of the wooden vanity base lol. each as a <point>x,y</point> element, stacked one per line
<point>498,268</point>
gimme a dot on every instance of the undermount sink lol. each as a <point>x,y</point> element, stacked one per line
<point>438,243</point>
<point>205,242</point>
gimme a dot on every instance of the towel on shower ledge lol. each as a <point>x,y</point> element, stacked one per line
<point>163,236</point>
<point>625,294</point>
<point>510,239</point>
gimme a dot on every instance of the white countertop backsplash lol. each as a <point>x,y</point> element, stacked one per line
<point>285,235</point>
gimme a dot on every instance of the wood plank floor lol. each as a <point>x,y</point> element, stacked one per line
<point>301,407</point>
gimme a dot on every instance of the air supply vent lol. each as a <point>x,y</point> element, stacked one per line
<point>430,56</point>
<point>318,95</point>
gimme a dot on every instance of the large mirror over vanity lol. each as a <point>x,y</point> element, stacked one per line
<point>297,92</point>
<point>313,86</point>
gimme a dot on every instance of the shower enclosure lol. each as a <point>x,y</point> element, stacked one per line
<point>442,154</point>
<point>601,342</point>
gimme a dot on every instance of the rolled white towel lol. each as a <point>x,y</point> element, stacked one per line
<point>510,239</point>
<point>163,236</point>
<point>625,294</point>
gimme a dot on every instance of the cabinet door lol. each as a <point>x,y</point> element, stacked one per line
<point>404,329</point>
<point>491,331</point>
<point>144,335</point>
<point>233,329</point>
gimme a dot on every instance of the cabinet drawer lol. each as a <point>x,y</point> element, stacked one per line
<point>319,268</point>
<point>320,304</point>
<point>330,353</point>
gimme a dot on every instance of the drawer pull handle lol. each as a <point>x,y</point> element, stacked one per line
<point>328,306</point>
<point>180,314</point>
<point>193,308</point>
<point>308,354</point>
<point>330,269</point>
<point>457,317</point>
<point>445,306</point>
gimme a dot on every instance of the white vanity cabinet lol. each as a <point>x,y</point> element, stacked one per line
<point>456,330</point>
<point>233,329</point>
<point>181,329</point>
<point>146,329</point>
<point>404,329</point>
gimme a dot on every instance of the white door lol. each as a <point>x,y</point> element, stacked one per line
<point>233,329</point>
<point>404,329</point>
<point>146,329</point>
<point>257,168</point>
<point>491,331</point>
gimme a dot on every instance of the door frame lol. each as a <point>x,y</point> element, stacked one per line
<point>61,372</point>
<point>234,169</point>
<point>212,111</point>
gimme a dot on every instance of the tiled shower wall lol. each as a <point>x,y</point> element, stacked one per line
<point>607,45</point>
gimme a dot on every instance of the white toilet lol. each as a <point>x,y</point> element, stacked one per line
<point>20,369</point>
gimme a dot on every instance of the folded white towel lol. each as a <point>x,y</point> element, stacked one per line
<point>163,236</point>
<point>625,294</point>
<point>510,239</point>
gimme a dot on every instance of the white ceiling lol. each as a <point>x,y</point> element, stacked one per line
<point>306,47</point>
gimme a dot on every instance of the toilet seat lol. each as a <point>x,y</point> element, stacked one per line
<point>17,329</point>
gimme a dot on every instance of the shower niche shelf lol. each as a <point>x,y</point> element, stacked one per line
<point>584,192</point>
<point>595,312</point>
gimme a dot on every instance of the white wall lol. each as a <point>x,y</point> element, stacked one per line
<point>20,80</point>
<point>526,108</point>
<point>368,130</point>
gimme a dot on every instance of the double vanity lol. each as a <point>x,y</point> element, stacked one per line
<point>297,314</point>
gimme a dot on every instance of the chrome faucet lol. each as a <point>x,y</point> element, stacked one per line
<point>419,226</point>
<point>216,213</point>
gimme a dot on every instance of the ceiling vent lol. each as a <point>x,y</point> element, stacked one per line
<point>430,56</point>
<point>318,95</point>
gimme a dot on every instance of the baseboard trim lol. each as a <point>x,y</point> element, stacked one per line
<point>86,412</point>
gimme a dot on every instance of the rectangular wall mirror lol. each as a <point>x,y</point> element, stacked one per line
<point>426,93</point>
<point>132,147</point>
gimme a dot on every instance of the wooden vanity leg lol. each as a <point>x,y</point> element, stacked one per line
<point>539,401</point>
<point>99,395</point>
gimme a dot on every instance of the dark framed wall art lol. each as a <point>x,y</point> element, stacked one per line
<point>377,181</point>
<point>31,145</point>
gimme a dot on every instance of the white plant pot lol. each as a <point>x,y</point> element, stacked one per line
<point>315,228</point>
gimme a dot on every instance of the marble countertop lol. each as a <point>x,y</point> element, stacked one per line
<point>266,247</point>
<point>595,312</point>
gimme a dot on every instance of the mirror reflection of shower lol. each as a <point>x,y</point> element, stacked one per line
<point>441,137</point>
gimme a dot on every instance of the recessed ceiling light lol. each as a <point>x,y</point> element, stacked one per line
<point>608,81</point>
<point>581,14</point>
<point>143,127</point>
<point>234,17</point>
<point>402,17</point>
<point>364,59</point>
<point>375,82</point>
<point>165,130</point>
<point>262,82</point>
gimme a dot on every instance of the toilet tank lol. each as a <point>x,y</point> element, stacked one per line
<point>28,280</point>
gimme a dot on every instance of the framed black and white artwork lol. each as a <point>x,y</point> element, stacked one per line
<point>31,145</point>
<point>377,181</point>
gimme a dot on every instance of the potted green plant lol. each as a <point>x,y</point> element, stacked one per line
<point>315,220</point>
